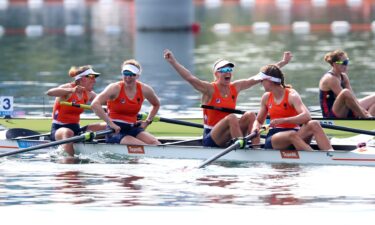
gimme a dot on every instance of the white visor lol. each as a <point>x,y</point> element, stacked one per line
<point>131,68</point>
<point>221,63</point>
<point>263,76</point>
<point>85,73</point>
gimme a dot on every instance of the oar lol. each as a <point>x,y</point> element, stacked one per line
<point>32,136</point>
<point>83,106</point>
<point>237,144</point>
<point>348,129</point>
<point>83,137</point>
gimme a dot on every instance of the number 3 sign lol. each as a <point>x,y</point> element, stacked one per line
<point>6,105</point>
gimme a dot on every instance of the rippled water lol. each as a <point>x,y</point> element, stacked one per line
<point>146,185</point>
<point>161,191</point>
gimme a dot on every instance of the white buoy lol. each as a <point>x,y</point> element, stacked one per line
<point>319,3</point>
<point>35,4</point>
<point>301,27</point>
<point>247,3</point>
<point>74,30</point>
<point>112,30</point>
<point>340,27</point>
<point>2,31</point>
<point>261,28</point>
<point>373,26</point>
<point>71,4</point>
<point>354,3</point>
<point>222,28</point>
<point>4,4</point>
<point>283,4</point>
<point>34,31</point>
<point>105,2</point>
<point>212,3</point>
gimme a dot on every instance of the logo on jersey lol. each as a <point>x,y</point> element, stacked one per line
<point>218,100</point>
<point>122,101</point>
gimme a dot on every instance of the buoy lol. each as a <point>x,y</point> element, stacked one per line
<point>212,3</point>
<point>340,27</point>
<point>301,27</point>
<point>247,3</point>
<point>195,28</point>
<point>222,28</point>
<point>319,3</point>
<point>2,31</point>
<point>74,30</point>
<point>354,3</point>
<point>4,4</point>
<point>34,31</point>
<point>112,30</point>
<point>35,4</point>
<point>261,28</point>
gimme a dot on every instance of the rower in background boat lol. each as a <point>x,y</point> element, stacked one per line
<point>124,100</point>
<point>286,111</point>
<point>65,123</point>
<point>337,99</point>
<point>221,127</point>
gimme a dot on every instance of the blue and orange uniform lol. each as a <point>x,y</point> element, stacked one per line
<point>123,111</point>
<point>212,117</point>
<point>281,110</point>
<point>327,99</point>
<point>67,116</point>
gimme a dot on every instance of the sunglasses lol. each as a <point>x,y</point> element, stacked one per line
<point>225,70</point>
<point>128,73</point>
<point>92,76</point>
<point>344,63</point>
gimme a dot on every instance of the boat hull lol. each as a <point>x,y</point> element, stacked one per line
<point>364,157</point>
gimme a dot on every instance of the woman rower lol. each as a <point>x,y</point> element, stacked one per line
<point>124,100</point>
<point>337,99</point>
<point>221,127</point>
<point>287,111</point>
<point>66,119</point>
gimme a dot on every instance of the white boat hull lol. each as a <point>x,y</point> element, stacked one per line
<point>359,158</point>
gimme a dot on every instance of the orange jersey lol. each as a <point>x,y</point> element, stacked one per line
<point>282,110</point>
<point>124,109</point>
<point>63,114</point>
<point>212,117</point>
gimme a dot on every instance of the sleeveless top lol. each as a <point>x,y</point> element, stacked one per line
<point>212,117</point>
<point>63,114</point>
<point>123,109</point>
<point>281,110</point>
<point>327,98</point>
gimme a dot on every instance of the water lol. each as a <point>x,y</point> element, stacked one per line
<point>41,189</point>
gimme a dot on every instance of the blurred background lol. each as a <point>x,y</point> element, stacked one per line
<point>41,40</point>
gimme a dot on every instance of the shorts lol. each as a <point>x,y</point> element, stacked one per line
<point>126,129</point>
<point>207,139</point>
<point>268,143</point>
<point>72,126</point>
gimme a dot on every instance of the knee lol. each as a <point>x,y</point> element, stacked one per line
<point>249,116</point>
<point>232,118</point>
<point>293,135</point>
<point>313,125</point>
<point>346,93</point>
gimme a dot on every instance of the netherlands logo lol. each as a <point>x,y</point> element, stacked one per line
<point>218,100</point>
<point>122,101</point>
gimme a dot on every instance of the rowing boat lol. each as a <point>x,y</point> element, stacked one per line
<point>192,149</point>
<point>43,124</point>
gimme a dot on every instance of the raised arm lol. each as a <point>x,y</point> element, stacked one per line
<point>64,91</point>
<point>244,84</point>
<point>199,85</point>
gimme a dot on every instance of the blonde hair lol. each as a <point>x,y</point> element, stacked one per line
<point>134,63</point>
<point>274,71</point>
<point>334,56</point>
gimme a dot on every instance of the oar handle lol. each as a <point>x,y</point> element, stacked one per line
<point>83,106</point>
<point>232,147</point>
<point>143,116</point>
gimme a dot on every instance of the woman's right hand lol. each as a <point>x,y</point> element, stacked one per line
<point>115,127</point>
<point>168,55</point>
